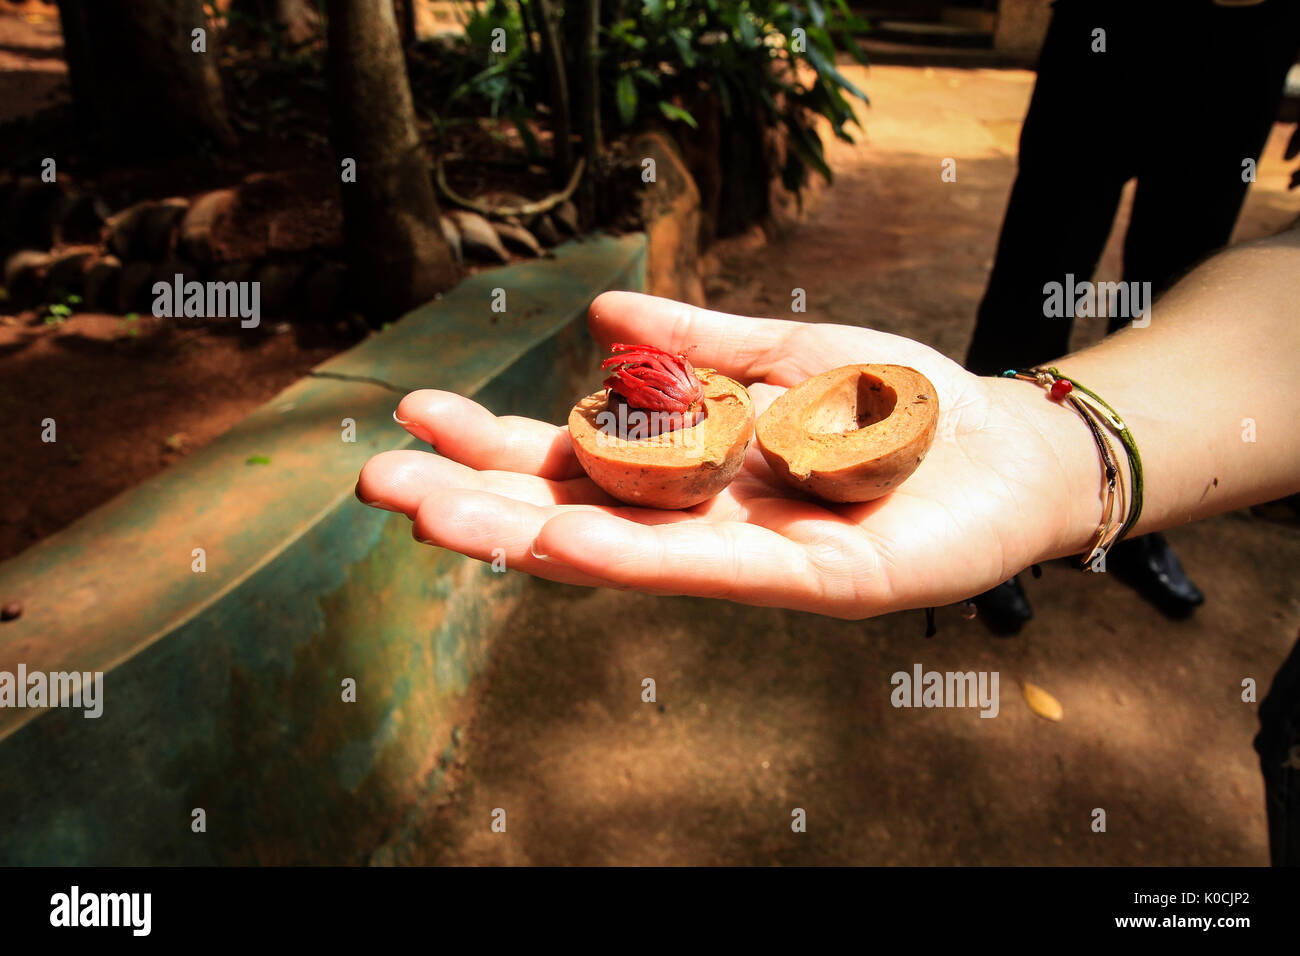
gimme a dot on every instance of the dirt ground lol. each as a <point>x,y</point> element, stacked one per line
<point>761,712</point>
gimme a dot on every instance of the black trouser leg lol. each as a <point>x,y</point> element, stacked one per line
<point>1278,746</point>
<point>1200,129</point>
<point>1067,188</point>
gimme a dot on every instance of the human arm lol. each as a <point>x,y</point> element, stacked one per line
<point>1013,477</point>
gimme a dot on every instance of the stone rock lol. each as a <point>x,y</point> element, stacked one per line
<point>518,237</point>
<point>102,275</point>
<point>166,271</point>
<point>670,209</point>
<point>279,281</point>
<point>22,262</point>
<point>145,230</point>
<point>82,218</point>
<point>204,218</point>
<point>544,229</point>
<point>239,271</point>
<point>285,212</point>
<point>169,268</point>
<point>565,215</point>
<point>477,236</point>
<point>452,235</point>
<point>134,287</point>
<point>308,224</point>
<point>24,276</point>
<point>66,273</point>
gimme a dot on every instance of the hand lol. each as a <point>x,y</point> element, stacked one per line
<point>993,495</point>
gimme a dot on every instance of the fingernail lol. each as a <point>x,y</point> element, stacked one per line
<point>357,491</point>
<point>540,556</point>
<point>419,431</point>
<point>425,541</point>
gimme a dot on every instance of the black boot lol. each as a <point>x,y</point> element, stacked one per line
<point>1004,609</point>
<point>1150,566</point>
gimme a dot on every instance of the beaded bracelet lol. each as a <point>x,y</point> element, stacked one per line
<point>1096,412</point>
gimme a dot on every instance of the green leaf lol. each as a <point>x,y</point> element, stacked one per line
<point>73,300</point>
<point>257,460</point>
<point>682,40</point>
<point>673,112</point>
<point>131,317</point>
<point>748,35</point>
<point>827,69</point>
<point>808,145</point>
<point>625,95</point>
<point>60,310</point>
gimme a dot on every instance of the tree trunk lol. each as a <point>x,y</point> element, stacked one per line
<point>124,55</point>
<point>397,256</point>
<point>553,53</point>
<point>407,21</point>
<point>588,85</point>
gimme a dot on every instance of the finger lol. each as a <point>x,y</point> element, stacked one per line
<point>491,528</point>
<point>401,481</point>
<point>742,348</point>
<point>729,560</point>
<point>465,431</point>
<point>776,351</point>
<point>763,396</point>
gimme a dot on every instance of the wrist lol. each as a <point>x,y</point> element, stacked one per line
<point>1072,480</point>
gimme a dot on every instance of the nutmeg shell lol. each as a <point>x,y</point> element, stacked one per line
<point>851,434</point>
<point>675,469</point>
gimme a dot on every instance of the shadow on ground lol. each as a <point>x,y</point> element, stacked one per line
<point>760,712</point>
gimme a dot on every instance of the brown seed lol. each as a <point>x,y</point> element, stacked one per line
<point>675,469</point>
<point>11,610</point>
<point>851,434</point>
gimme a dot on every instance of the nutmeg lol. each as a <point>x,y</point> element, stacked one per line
<point>662,434</point>
<point>851,434</point>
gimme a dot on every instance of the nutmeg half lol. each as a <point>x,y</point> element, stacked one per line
<point>851,434</point>
<point>649,461</point>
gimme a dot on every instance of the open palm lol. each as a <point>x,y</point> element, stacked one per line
<point>983,505</point>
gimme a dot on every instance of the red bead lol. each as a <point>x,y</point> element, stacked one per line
<point>1060,389</point>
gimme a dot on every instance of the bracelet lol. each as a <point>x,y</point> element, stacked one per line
<point>1097,412</point>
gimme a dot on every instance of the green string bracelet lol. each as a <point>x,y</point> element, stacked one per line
<point>1096,410</point>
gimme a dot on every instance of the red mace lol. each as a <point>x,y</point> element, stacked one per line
<point>660,434</point>
<point>653,380</point>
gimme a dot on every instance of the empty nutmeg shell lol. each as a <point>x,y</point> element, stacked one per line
<point>851,434</point>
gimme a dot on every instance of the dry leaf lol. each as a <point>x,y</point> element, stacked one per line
<point>1042,703</point>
